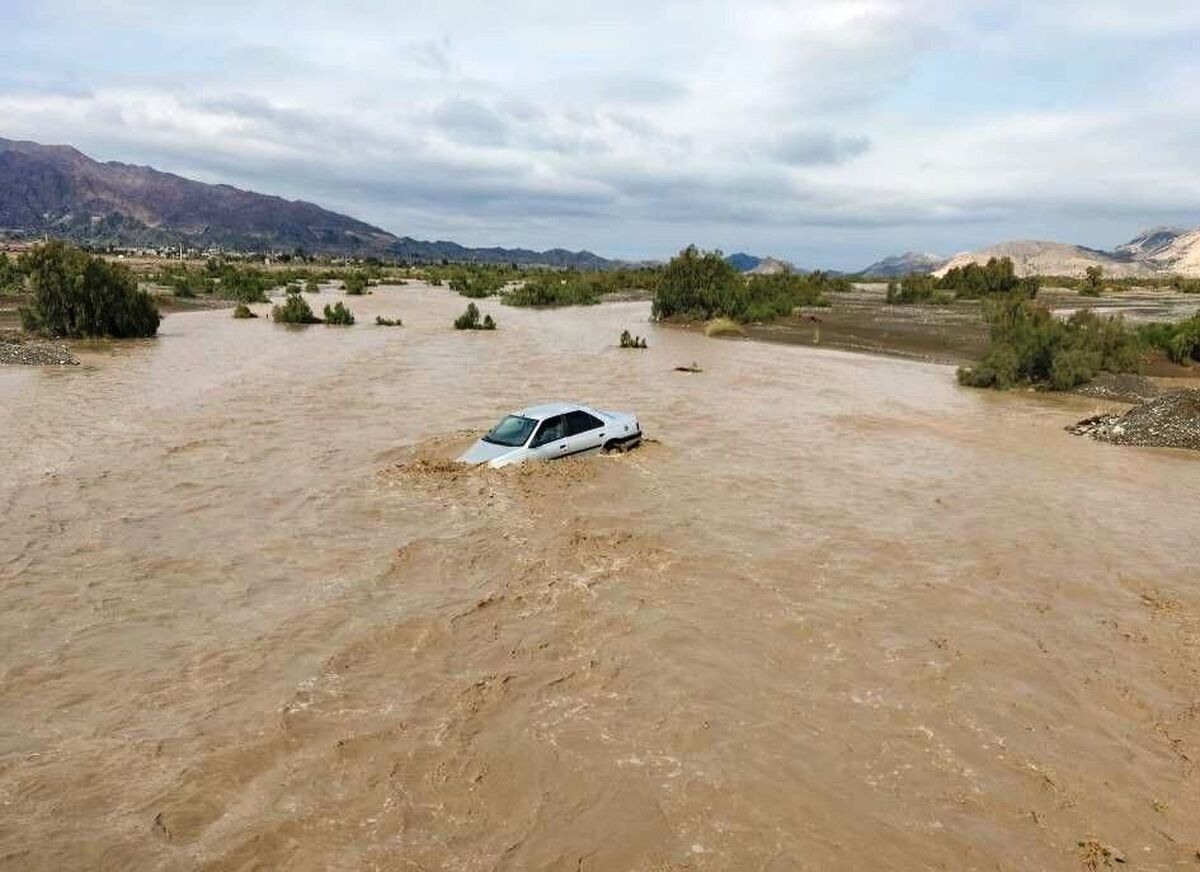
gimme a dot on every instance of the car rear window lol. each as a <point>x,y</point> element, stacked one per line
<point>581,422</point>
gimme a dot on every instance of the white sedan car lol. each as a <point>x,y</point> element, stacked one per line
<point>553,430</point>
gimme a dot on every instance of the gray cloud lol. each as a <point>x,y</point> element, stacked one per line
<point>582,125</point>
<point>813,148</point>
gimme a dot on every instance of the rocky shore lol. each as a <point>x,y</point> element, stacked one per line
<point>21,349</point>
<point>1170,420</point>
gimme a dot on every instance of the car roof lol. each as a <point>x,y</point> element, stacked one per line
<point>548,410</point>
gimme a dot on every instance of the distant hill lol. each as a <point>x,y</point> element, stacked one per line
<point>905,264</point>
<point>743,262</point>
<point>770,266</point>
<point>1157,251</point>
<point>61,192</point>
<point>1033,257</point>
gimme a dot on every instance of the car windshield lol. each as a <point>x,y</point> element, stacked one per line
<point>512,431</point>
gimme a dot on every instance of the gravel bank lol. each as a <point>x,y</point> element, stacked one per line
<point>17,348</point>
<point>1170,420</point>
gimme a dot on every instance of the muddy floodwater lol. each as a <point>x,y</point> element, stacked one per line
<point>838,614</point>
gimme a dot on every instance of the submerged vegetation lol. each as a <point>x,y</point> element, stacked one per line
<point>355,283</point>
<point>338,315</point>
<point>241,310</point>
<point>75,294</point>
<point>388,322</point>
<point>295,310</point>
<point>478,282</point>
<point>557,289</point>
<point>628,340</point>
<point>1029,346</point>
<point>702,285</point>
<point>469,320</point>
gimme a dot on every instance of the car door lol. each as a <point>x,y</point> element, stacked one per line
<point>585,432</point>
<point>550,440</point>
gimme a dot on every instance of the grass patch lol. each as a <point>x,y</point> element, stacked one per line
<point>723,327</point>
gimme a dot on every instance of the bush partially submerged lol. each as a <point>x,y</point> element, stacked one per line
<point>469,320</point>
<point>388,322</point>
<point>1030,346</point>
<point>241,310</point>
<point>77,295</point>
<point>338,315</point>
<point>295,310</point>
<point>355,283</point>
<point>557,289</point>
<point>478,282</point>
<point>311,286</point>
<point>628,340</point>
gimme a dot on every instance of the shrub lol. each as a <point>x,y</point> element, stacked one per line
<point>241,310</point>
<point>1180,341</point>
<point>1030,346</point>
<point>388,322</point>
<point>478,282</point>
<point>338,315</point>
<point>469,320</point>
<point>913,288</point>
<point>295,310</point>
<point>11,275</point>
<point>76,295</point>
<point>723,327</point>
<point>628,340</point>
<point>311,286</point>
<point>971,281</point>
<point>557,289</point>
<point>355,283</point>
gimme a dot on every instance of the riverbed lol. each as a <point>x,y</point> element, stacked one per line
<point>838,612</point>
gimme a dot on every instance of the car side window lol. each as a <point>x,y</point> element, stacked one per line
<point>551,429</point>
<point>580,421</point>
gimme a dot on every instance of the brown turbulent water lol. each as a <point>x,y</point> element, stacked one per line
<point>840,614</point>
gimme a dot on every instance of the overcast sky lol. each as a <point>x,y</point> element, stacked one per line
<point>829,133</point>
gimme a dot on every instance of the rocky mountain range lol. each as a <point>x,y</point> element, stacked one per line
<point>903,264</point>
<point>1157,251</point>
<point>59,191</point>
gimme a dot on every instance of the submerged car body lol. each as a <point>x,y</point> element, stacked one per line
<point>553,430</point>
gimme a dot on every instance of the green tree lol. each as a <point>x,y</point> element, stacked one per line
<point>1093,281</point>
<point>77,295</point>
<point>695,284</point>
